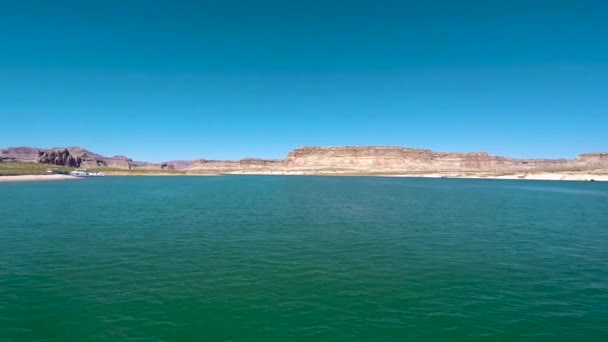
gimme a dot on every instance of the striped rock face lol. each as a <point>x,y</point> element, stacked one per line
<point>388,158</point>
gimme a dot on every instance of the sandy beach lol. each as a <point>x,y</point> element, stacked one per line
<point>35,178</point>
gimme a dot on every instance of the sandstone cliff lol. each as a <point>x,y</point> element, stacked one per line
<point>399,159</point>
<point>353,159</point>
<point>599,160</point>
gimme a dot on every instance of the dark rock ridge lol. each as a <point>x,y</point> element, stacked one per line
<point>345,158</point>
<point>73,157</point>
<point>60,157</point>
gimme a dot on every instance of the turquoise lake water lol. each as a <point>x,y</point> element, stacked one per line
<point>303,258</point>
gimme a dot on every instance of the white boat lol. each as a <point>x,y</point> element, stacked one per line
<point>84,173</point>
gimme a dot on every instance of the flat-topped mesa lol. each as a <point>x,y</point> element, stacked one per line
<point>207,164</point>
<point>150,166</point>
<point>20,154</point>
<point>598,160</point>
<point>257,162</point>
<point>356,157</point>
<point>232,165</point>
<point>391,158</point>
<point>352,156</point>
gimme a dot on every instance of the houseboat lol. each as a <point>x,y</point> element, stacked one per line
<point>84,173</point>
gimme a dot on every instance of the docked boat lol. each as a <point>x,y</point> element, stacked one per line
<point>84,173</point>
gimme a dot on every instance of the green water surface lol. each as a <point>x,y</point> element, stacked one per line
<point>264,258</point>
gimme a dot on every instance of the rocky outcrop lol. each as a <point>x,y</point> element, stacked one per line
<point>19,154</point>
<point>94,160</point>
<point>235,165</point>
<point>60,157</point>
<point>260,163</point>
<point>150,166</point>
<point>205,164</point>
<point>179,164</point>
<point>115,162</point>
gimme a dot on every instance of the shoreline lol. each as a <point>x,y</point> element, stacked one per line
<point>543,176</point>
<point>546,176</point>
<point>35,178</point>
<point>553,176</point>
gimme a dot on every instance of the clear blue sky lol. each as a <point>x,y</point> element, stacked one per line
<point>158,80</point>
